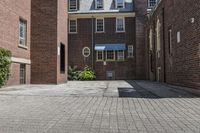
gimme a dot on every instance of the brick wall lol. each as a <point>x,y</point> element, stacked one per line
<point>123,70</point>
<point>47,26</point>
<point>10,13</point>
<point>181,67</point>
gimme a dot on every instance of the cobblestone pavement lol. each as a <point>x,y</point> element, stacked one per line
<point>144,112</point>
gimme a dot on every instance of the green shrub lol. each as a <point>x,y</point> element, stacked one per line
<point>87,74</point>
<point>4,65</point>
<point>73,73</point>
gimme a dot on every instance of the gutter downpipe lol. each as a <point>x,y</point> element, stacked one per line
<point>93,42</point>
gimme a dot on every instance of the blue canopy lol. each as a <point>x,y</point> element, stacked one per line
<point>106,47</point>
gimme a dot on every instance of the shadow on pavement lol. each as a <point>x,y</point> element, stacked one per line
<point>154,90</point>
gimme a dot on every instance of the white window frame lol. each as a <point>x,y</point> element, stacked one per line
<point>96,5</point>
<point>130,51</point>
<point>103,25</point>
<point>83,51</point>
<point>98,56</point>
<point>116,4</point>
<point>24,38</point>
<point>119,56</point>
<point>123,24</point>
<point>70,26</point>
<point>107,56</point>
<point>70,5</point>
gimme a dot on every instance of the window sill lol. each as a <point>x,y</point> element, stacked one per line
<point>98,32</point>
<point>99,60</point>
<point>120,31</point>
<point>73,32</point>
<point>23,47</point>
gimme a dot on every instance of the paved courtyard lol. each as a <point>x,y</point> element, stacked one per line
<point>98,107</point>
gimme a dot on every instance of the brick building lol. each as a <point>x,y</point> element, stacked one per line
<point>173,42</point>
<point>15,36</point>
<point>49,41</point>
<point>102,35</point>
<point>38,46</point>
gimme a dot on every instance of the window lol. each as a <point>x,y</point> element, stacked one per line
<point>110,55</point>
<point>99,25</point>
<point>73,26</point>
<point>130,51</point>
<point>120,55</point>
<point>72,4</point>
<point>170,40</point>
<point>86,52</point>
<point>158,38</point>
<point>178,37</point>
<point>120,24</point>
<point>62,58</point>
<point>22,74</point>
<point>99,55</point>
<point>119,3</point>
<point>22,32</point>
<point>151,39</point>
<point>152,3</point>
<point>99,4</point>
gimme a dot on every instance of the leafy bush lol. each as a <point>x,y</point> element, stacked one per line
<point>4,65</point>
<point>73,73</point>
<point>87,74</point>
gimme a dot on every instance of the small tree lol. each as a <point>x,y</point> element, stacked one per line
<point>5,62</point>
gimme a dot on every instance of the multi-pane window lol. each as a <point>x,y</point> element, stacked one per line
<point>130,51</point>
<point>22,32</point>
<point>120,24</point>
<point>72,26</point>
<point>99,25</point>
<point>22,74</point>
<point>119,3</point>
<point>100,55</point>
<point>99,4</point>
<point>152,3</point>
<point>120,55</point>
<point>110,55</point>
<point>72,4</point>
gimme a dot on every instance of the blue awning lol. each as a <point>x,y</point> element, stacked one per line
<point>104,47</point>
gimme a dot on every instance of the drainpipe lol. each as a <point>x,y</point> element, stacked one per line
<point>92,42</point>
<point>164,57</point>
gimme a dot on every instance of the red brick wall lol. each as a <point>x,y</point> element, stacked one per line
<point>10,12</point>
<point>49,29</point>
<point>62,37</point>
<point>123,70</point>
<point>182,67</point>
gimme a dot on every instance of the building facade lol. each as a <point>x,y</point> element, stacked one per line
<point>102,35</point>
<point>38,47</point>
<point>173,43</point>
<point>49,41</point>
<point>15,36</point>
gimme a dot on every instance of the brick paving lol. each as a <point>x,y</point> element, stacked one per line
<point>95,114</point>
